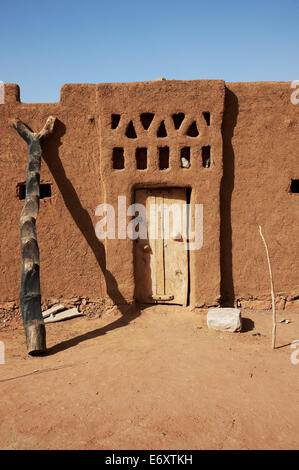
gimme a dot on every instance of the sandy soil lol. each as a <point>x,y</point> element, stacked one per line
<point>157,380</point>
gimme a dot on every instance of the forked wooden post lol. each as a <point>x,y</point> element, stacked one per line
<point>30,295</point>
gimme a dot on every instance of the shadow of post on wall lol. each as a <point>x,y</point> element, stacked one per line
<point>231,109</point>
<point>84,222</point>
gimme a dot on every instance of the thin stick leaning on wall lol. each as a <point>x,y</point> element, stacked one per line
<point>30,295</point>
<point>272,290</point>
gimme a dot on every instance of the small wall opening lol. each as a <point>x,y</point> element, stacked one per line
<point>163,158</point>
<point>207,117</point>
<point>162,130</point>
<point>178,119</point>
<point>115,118</point>
<point>44,189</point>
<point>141,158</point>
<point>294,186</point>
<point>130,132</point>
<point>146,119</point>
<point>118,159</point>
<point>206,156</point>
<point>185,157</point>
<point>192,130</point>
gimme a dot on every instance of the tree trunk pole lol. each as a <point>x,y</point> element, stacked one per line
<point>30,295</point>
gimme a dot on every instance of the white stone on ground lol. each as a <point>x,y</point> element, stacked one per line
<point>224,319</point>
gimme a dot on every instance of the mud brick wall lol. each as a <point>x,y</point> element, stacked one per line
<point>177,112</point>
<point>253,136</point>
<point>261,157</point>
<point>71,259</point>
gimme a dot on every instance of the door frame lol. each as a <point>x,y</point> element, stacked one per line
<point>188,190</point>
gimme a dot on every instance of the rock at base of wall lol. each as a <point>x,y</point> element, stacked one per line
<point>224,319</point>
<point>292,304</point>
<point>254,304</point>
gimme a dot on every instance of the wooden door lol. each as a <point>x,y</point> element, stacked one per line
<point>160,253</point>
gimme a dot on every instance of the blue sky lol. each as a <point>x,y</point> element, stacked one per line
<point>46,44</point>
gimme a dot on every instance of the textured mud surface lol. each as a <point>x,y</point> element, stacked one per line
<point>255,155</point>
<point>159,380</point>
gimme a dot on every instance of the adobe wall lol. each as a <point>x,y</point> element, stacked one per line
<point>261,142</point>
<point>251,186</point>
<point>164,99</point>
<point>72,260</point>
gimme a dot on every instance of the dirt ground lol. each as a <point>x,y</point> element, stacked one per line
<point>157,380</point>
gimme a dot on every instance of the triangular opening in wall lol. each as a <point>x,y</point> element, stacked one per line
<point>130,132</point>
<point>162,130</point>
<point>192,130</point>
<point>178,119</point>
<point>146,119</point>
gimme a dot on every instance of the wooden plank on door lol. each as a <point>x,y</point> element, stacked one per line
<point>159,261</point>
<point>144,255</point>
<point>152,230</point>
<point>175,245</point>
